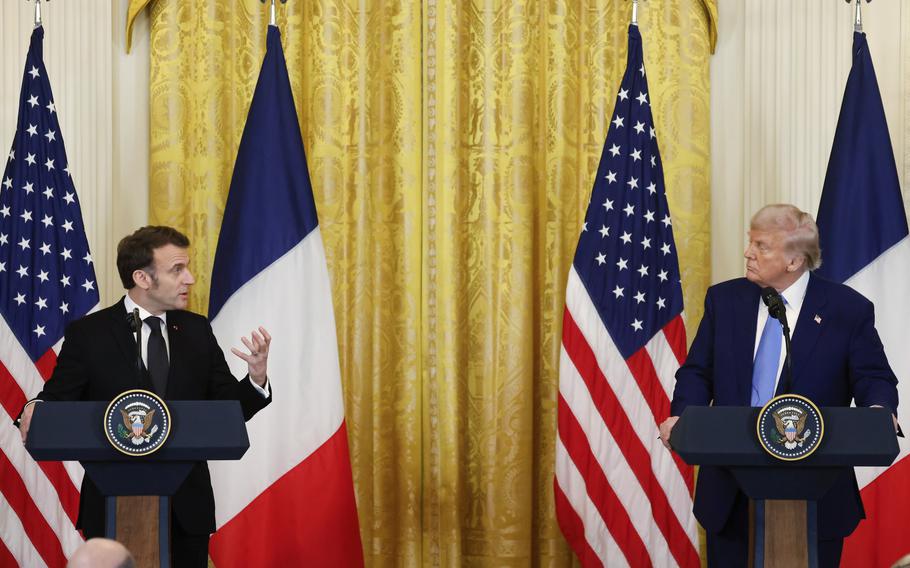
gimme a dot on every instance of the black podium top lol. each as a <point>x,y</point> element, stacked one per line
<point>726,436</point>
<point>200,430</point>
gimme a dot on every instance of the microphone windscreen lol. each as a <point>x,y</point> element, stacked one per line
<point>768,294</point>
<point>134,320</point>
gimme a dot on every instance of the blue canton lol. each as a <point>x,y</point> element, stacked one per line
<point>46,274</point>
<point>626,256</point>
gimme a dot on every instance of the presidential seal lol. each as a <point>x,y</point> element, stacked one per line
<point>137,422</point>
<point>790,427</point>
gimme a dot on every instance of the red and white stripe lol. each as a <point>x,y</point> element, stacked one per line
<point>881,539</point>
<point>621,497</point>
<point>39,502</point>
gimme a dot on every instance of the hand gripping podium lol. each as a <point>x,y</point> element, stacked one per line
<point>200,431</point>
<point>784,493</point>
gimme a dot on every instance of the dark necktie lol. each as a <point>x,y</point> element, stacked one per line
<point>157,355</point>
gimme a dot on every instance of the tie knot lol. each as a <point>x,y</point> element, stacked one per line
<point>154,322</point>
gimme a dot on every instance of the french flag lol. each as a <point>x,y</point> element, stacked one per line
<point>290,500</point>
<point>864,241</point>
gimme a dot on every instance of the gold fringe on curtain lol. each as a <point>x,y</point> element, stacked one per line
<point>451,147</point>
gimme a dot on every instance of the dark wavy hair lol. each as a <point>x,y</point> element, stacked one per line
<point>137,251</point>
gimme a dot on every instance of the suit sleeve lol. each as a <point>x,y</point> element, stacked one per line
<point>872,380</point>
<point>695,379</point>
<point>224,386</point>
<point>70,378</point>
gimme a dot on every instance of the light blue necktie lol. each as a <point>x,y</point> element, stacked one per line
<point>764,370</point>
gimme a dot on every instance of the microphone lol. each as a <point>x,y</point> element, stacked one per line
<point>134,320</point>
<point>775,305</point>
<point>778,311</point>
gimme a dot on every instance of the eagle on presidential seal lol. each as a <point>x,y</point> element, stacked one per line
<point>791,426</point>
<point>139,425</point>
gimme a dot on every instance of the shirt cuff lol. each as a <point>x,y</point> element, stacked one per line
<point>265,391</point>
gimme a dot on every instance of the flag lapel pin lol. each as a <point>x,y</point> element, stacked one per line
<point>818,319</point>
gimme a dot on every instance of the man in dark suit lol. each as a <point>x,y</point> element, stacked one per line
<point>736,360</point>
<point>182,361</point>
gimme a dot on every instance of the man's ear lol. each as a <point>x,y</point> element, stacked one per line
<point>796,262</point>
<point>142,280</point>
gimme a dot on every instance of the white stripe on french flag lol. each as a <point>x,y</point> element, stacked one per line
<point>292,299</point>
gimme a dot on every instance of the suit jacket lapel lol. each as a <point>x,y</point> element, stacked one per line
<point>120,329</point>
<point>808,329</point>
<point>176,353</point>
<point>744,341</point>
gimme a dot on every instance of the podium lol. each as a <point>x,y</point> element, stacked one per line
<point>134,486</point>
<point>784,493</point>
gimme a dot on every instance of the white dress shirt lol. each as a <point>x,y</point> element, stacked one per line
<point>793,297</point>
<point>146,330</point>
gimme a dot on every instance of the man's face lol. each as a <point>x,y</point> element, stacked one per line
<point>169,284</point>
<point>767,260</point>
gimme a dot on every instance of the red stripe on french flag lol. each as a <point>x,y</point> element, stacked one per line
<point>327,533</point>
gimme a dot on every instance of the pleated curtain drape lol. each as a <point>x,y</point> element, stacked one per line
<point>451,147</point>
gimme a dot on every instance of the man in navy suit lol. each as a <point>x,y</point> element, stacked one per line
<point>837,358</point>
<point>98,362</point>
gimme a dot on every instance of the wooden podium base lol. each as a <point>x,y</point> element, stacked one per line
<point>783,534</point>
<point>141,524</point>
<point>137,527</point>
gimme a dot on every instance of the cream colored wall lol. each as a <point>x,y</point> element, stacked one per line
<point>777,80</point>
<point>102,101</point>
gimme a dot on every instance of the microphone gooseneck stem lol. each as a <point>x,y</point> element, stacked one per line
<point>137,323</point>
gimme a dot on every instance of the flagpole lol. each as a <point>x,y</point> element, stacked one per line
<point>858,21</point>
<point>37,13</point>
<point>272,20</point>
<point>634,12</point>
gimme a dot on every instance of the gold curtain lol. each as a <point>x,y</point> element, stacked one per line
<point>451,147</point>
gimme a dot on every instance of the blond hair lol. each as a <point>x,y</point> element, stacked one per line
<point>801,232</point>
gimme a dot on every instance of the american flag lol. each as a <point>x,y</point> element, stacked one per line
<point>621,497</point>
<point>47,280</point>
